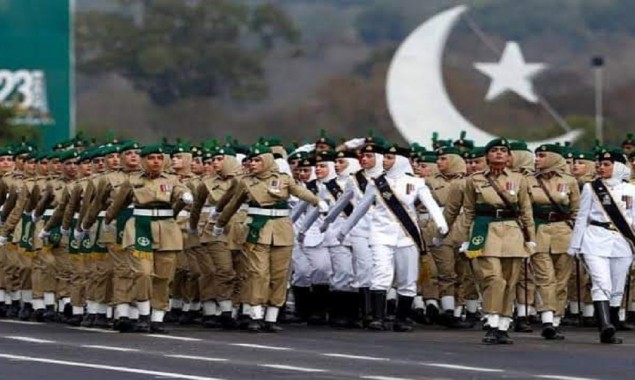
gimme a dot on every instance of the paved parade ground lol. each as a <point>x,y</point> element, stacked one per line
<point>53,351</point>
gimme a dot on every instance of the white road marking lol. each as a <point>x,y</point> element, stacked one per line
<point>202,358</point>
<point>28,339</point>
<point>170,375</point>
<point>93,330</point>
<point>345,356</point>
<point>462,367</point>
<point>260,346</point>
<point>183,338</point>
<point>110,348</point>
<point>556,377</point>
<point>292,368</point>
<point>21,322</point>
<point>383,378</point>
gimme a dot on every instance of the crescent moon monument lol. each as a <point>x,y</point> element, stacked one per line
<point>417,99</point>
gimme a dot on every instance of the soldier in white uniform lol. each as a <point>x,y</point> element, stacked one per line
<point>603,236</point>
<point>395,238</point>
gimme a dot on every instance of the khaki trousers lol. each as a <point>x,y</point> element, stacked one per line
<point>444,258</point>
<point>551,274</point>
<point>224,274</point>
<point>43,275</point>
<point>467,288</point>
<point>78,279</point>
<point>499,277</point>
<point>177,288</point>
<point>102,278</point>
<point>526,298</point>
<point>3,262</point>
<point>25,268</point>
<point>267,268</point>
<point>122,274</point>
<point>206,278</point>
<point>428,278</point>
<point>12,266</point>
<point>153,274</point>
<point>64,270</point>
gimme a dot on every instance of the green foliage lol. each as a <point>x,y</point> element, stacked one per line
<point>176,49</point>
<point>11,134</point>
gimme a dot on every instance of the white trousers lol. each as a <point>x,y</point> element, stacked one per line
<point>608,277</point>
<point>400,262</point>
<point>320,263</point>
<point>362,262</point>
<point>342,268</point>
<point>301,268</point>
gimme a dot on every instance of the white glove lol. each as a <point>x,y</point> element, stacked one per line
<point>43,234</point>
<point>217,231</point>
<point>213,216</point>
<point>341,236</point>
<point>187,198</point>
<point>78,235</point>
<point>3,241</point>
<point>437,241</point>
<point>575,252</point>
<point>34,218</point>
<point>323,207</point>
<point>464,246</point>
<point>530,244</point>
<point>355,143</point>
<point>64,232</point>
<point>443,230</point>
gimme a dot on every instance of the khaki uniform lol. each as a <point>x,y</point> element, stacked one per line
<point>153,257</point>
<point>504,249</point>
<point>270,239</point>
<point>43,274</point>
<point>551,265</point>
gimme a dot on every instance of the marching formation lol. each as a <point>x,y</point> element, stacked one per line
<point>364,234</point>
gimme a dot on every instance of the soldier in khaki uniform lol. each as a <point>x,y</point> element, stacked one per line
<point>271,237</point>
<point>556,199</point>
<point>6,168</point>
<point>117,267</point>
<point>496,235</point>
<point>151,236</point>
<point>20,254</point>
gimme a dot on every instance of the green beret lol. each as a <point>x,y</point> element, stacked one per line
<point>613,155</point>
<point>324,139</point>
<point>22,149</point>
<point>325,156</point>
<point>152,149</point>
<point>180,148</point>
<point>87,155</point>
<point>474,153</point>
<point>347,154</point>
<point>224,151</point>
<point>107,149</point>
<point>518,145</point>
<point>376,140</point>
<point>273,141</point>
<point>6,151</point>
<point>307,161</point>
<point>552,148</point>
<point>129,145</point>
<point>448,150</point>
<point>68,155</point>
<point>497,142</point>
<point>297,156</point>
<point>42,156</point>
<point>207,154</point>
<point>373,148</point>
<point>629,140</point>
<point>462,142</point>
<point>196,151</point>
<point>580,155</point>
<point>427,159</point>
<point>257,150</point>
<point>31,155</point>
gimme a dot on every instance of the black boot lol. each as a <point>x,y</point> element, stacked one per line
<point>337,315</point>
<point>101,322</point>
<point>226,321</point>
<point>365,306</point>
<point>432,313</point>
<point>38,315</point>
<point>607,330</point>
<point>173,316</point>
<point>404,305</point>
<point>158,328</point>
<point>75,320</point>
<point>550,332</point>
<point>271,327</point>
<point>302,298</point>
<point>88,321</point>
<point>25,312</point>
<point>615,320</point>
<point>491,336</point>
<point>13,310</point>
<point>457,323</point>
<point>503,337</point>
<point>391,309</point>
<point>319,307</point>
<point>522,325</point>
<point>255,325</point>
<point>49,314</point>
<point>124,325</point>
<point>143,324</point>
<point>378,302</point>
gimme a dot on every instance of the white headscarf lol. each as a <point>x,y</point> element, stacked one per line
<point>400,168</point>
<point>331,175</point>
<point>621,173</point>
<point>283,166</point>
<point>352,168</point>
<point>379,166</point>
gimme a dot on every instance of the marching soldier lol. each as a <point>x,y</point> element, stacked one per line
<point>270,239</point>
<point>556,199</point>
<point>498,209</point>
<point>151,236</point>
<point>6,169</point>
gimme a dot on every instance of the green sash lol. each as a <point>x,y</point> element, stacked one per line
<point>122,218</point>
<point>143,231</point>
<point>73,245</point>
<point>55,237</point>
<point>480,228</point>
<point>26,239</point>
<point>258,221</point>
<point>97,246</point>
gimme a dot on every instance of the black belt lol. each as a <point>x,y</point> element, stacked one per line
<point>498,213</point>
<point>607,225</point>
<point>552,216</point>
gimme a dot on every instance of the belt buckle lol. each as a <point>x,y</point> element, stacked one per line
<point>551,216</point>
<point>498,211</point>
<point>155,213</point>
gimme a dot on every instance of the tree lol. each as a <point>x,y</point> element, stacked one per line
<point>381,22</point>
<point>10,133</point>
<point>176,49</point>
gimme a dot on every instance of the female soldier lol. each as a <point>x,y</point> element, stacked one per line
<point>498,209</point>
<point>556,198</point>
<point>271,236</point>
<point>604,237</point>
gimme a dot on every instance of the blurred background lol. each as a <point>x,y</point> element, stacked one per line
<point>200,69</point>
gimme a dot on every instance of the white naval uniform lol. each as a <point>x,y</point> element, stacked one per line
<point>394,251</point>
<point>607,254</point>
<point>316,252</point>
<point>300,267</point>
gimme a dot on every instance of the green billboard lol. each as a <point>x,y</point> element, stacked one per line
<point>36,65</point>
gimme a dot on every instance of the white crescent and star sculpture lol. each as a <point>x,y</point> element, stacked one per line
<point>418,101</point>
